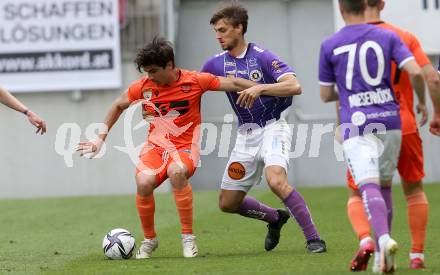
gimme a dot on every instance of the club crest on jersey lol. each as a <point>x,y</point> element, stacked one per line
<point>252,62</point>
<point>236,171</point>
<point>186,88</point>
<point>255,75</point>
<point>147,94</point>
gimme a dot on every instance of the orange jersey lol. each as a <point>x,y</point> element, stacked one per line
<point>176,108</point>
<point>401,82</point>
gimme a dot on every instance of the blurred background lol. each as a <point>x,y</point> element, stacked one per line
<point>69,59</point>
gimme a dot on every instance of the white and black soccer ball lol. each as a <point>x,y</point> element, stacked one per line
<point>118,244</point>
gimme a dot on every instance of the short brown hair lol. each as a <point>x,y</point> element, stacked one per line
<point>158,52</point>
<point>373,3</point>
<point>353,6</point>
<point>234,13</point>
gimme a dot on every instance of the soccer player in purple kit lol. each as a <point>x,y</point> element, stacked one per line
<point>358,60</point>
<point>264,138</point>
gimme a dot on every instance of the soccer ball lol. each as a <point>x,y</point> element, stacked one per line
<point>118,244</point>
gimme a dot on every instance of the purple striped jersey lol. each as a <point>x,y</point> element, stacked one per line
<point>258,65</point>
<point>358,60</point>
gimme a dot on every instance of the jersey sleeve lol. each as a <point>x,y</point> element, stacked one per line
<point>208,67</point>
<point>400,53</point>
<point>135,91</point>
<point>208,82</point>
<point>274,66</point>
<point>418,52</point>
<point>326,73</point>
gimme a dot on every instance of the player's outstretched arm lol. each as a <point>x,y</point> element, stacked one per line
<point>328,93</point>
<point>12,102</point>
<point>113,114</point>
<point>234,84</point>
<point>288,85</point>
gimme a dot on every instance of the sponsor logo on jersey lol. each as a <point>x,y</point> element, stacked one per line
<point>245,72</point>
<point>229,63</point>
<point>381,114</point>
<point>180,106</point>
<point>380,96</point>
<point>253,62</point>
<point>186,88</point>
<point>236,171</point>
<point>358,118</point>
<point>147,94</point>
<point>256,75</point>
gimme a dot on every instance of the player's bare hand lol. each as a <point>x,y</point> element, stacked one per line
<point>89,147</point>
<point>421,109</point>
<point>247,97</point>
<point>434,125</point>
<point>35,120</point>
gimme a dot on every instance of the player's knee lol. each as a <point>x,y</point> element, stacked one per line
<point>411,188</point>
<point>227,206</point>
<point>176,171</point>
<point>277,184</point>
<point>145,184</point>
<point>276,176</point>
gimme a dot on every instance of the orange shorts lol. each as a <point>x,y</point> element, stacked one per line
<point>410,165</point>
<point>155,161</point>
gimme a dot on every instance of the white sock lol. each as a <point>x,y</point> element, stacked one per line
<point>383,240</point>
<point>412,256</point>
<point>376,257</point>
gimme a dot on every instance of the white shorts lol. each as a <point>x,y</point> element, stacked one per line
<point>373,155</point>
<point>255,149</point>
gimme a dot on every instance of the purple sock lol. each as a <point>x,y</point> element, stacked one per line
<point>387,197</point>
<point>251,208</point>
<point>375,208</point>
<point>298,209</point>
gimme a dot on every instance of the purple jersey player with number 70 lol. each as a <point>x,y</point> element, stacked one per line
<point>357,59</point>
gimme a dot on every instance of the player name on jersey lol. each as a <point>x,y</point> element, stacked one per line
<point>380,96</point>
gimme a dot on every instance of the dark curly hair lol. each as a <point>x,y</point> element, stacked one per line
<point>158,52</point>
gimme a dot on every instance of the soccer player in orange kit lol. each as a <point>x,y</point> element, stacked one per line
<point>171,96</point>
<point>410,165</point>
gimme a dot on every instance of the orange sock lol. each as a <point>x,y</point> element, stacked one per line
<point>145,207</point>
<point>184,198</point>
<point>358,218</point>
<point>418,209</point>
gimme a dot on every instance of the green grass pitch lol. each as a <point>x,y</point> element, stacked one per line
<point>64,235</point>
